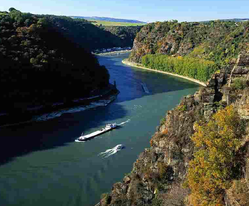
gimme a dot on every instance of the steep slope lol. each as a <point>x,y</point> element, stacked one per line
<point>216,40</point>
<point>126,34</point>
<point>158,174</point>
<point>92,37</point>
<point>40,66</point>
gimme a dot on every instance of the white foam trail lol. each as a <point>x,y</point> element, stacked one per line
<point>112,151</point>
<point>53,115</point>
<point>79,141</point>
<point>123,122</point>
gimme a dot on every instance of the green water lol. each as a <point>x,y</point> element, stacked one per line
<point>40,164</point>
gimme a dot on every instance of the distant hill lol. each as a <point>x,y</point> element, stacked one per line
<point>107,19</point>
<point>234,19</point>
<point>91,37</point>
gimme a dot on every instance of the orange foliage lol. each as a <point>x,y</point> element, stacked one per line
<point>211,169</point>
<point>165,131</point>
<point>21,30</point>
<point>151,142</point>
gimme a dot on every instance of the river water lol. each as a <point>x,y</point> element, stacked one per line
<point>40,164</point>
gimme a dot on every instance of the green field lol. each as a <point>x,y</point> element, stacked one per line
<point>1,13</point>
<point>109,23</point>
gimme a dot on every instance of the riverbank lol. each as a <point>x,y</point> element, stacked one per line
<point>48,149</point>
<point>52,111</point>
<point>126,62</point>
<point>112,52</point>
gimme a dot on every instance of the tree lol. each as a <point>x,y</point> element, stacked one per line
<point>12,9</point>
<point>187,66</point>
<point>210,172</point>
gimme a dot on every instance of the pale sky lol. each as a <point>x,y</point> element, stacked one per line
<point>143,10</point>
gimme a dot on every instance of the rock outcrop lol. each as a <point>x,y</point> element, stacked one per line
<point>158,173</point>
<point>215,41</point>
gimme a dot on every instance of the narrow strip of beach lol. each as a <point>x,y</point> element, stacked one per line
<point>126,62</point>
<point>112,53</point>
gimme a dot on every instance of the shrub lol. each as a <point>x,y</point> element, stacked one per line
<point>239,84</point>
<point>210,172</point>
<point>182,108</point>
<point>105,198</point>
<point>162,121</point>
<point>156,202</point>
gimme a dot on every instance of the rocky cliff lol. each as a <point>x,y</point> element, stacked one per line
<point>216,40</point>
<point>159,172</point>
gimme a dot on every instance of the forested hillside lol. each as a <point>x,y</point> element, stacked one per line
<point>92,37</point>
<point>216,42</point>
<point>40,66</point>
<point>126,34</point>
<point>107,19</point>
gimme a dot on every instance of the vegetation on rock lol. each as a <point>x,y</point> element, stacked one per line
<point>205,44</point>
<point>211,155</point>
<point>239,84</point>
<point>211,171</point>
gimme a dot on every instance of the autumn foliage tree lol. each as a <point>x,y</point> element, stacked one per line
<point>210,171</point>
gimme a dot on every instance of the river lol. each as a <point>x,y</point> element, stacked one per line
<point>40,164</point>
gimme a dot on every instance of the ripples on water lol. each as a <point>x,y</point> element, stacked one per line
<point>40,164</point>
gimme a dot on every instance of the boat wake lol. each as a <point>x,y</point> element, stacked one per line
<point>112,151</point>
<point>92,105</point>
<point>123,122</point>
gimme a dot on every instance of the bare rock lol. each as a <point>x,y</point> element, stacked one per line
<point>243,106</point>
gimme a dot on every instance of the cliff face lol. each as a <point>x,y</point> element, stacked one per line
<point>216,41</point>
<point>158,173</point>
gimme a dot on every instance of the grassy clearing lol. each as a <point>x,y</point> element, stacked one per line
<point>3,14</point>
<point>109,23</point>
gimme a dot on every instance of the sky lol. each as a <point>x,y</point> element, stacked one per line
<point>143,10</point>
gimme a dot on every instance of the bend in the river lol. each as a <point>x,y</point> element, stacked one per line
<point>40,164</point>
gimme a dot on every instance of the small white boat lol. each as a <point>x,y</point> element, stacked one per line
<point>107,128</point>
<point>119,147</point>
